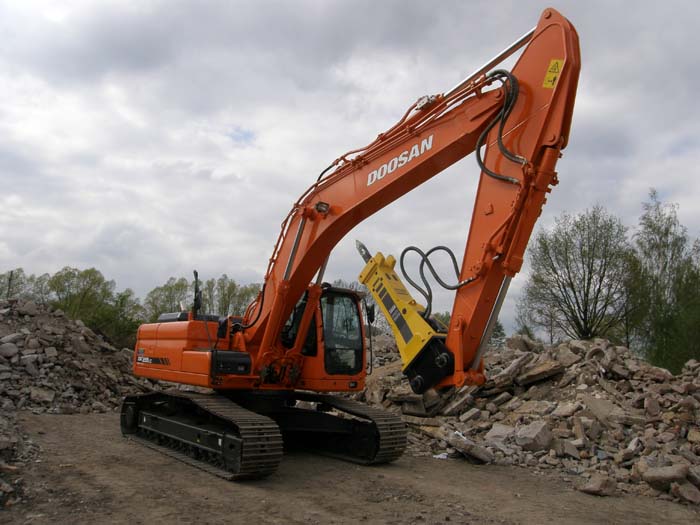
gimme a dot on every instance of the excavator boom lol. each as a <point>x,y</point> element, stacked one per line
<point>523,126</point>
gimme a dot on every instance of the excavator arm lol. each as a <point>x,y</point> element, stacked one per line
<point>522,120</point>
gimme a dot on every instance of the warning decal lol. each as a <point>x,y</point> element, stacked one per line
<point>553,73</point>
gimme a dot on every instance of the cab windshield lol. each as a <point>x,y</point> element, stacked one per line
<point>342,333</point>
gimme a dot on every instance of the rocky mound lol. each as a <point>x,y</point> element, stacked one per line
<point>586,408</point>
<point>49,363</point>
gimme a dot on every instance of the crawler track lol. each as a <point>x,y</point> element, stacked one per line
<point>207,431</point>
<point>331,425</point>
<point>387,431</point>
<point>239,435</point>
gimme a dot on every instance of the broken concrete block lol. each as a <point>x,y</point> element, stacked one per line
<point>565,356</point>
<point>402,393</point>
<point>539,372</point>
<point>11,338</point>
<point>686,491</point>
<point>524,344</point>
<point>41,395</point>
<point>414,408</point>
<point>431,398</point>
<point>605,411</point>
<point>578,443</point>
<point>599,485</point>
<point>620,371</point>
<point>27,308</point>
<point>502,398</point>
<point>513,369</point>
<point>472,413</point>
<point>462,400</point>
<point>535,436</point>
<point>661,478</point>
<point>658,374</point>
<point>565,448</point>
<point>579,430</point>
<point>539,408</point>
<point>635,447</point>
<point>693,435</point>
<point>8,350</point>
<point>499,433</point>
<point>694,475</point>
<point>566,409</point>
<point>651,406</point>
<point>467,447</point>
<point>579,347</point>
<point>421,421</point>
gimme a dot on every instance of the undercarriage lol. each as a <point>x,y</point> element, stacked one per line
<point>242,435</point>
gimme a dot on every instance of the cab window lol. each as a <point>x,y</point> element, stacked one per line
<point>342,333</point>
<point>291,328</point>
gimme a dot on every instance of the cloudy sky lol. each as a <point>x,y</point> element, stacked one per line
<point>148,138</point>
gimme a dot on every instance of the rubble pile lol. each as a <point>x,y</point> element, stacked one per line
<point>49,363</point>
<point>383,349</point>
<point>586,408</point>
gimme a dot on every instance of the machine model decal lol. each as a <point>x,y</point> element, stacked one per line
<point>153,360</point>
<point>404,158</point>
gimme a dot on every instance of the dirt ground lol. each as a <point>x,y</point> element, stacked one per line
<point>88,473</point>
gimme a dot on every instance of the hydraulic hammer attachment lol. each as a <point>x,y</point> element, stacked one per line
<point>426,360</point>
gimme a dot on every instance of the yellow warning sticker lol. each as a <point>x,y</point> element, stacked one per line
<point>553,73</point>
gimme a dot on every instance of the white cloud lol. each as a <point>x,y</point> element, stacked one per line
<point>149,138</point>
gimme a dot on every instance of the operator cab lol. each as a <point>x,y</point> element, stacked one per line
<point>339,323</point>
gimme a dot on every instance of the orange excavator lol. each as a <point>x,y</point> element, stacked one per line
<point>271,371</point>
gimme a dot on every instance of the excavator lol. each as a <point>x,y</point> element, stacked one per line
<point>269,374</point>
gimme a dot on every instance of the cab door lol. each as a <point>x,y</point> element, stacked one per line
<point>334,350</point>
<point>342,333</point>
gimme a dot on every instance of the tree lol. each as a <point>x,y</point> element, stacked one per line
<point>529,317</point>
<point>667,286</point>
<point>223,296</point>
<point>242,297</point>
<point>443,318</point>
<point>208,296</point>
<point>578,283</point>
<point>87,295</point>
<point>12,283</point>
<point>15,284</point>
<point>80,293</point>
<point>119,319</point>
<point>168,298</point>
<point>498,336</point>
<point>38,289</point>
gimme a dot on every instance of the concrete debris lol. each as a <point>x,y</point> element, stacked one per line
<point>693,436</point>
<point>472,413</point>
<point>499,432</point>
<point>468,447</point>
<point>8,350</point>
<point>686,491</point>
<point>49,363</point>
<point>584,408</point>
<point>565,448</point>
<point>535,436</point>
<point>694,475</point>
<point>539,372</point>
<point>599,485</point>
<point>587,408</point>
<point>661,478</point>
<point>524,344</point>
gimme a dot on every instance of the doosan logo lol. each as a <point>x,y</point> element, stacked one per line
<point>404,158</point>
